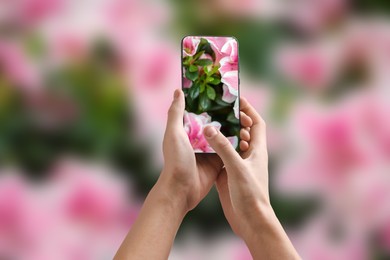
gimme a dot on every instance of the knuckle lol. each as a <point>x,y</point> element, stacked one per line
<point>172,110</point>
<point>223,142</point>
<point>262,122</point>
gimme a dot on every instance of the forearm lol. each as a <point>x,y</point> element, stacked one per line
<point>266,238</point>
<point>153,233</point>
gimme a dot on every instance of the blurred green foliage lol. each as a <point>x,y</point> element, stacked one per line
<point>91,96</point>
<point>371,6</point>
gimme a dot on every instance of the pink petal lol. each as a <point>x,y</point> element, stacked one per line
<point>230,87</point>
<point>190,45</point>
<point>194,125</point>
<point>227,65</point>
<point>236,108</point>
<point>216,44</point>
<point>230,49</point>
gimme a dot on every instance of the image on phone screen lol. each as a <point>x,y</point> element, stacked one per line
<point>210,83</point>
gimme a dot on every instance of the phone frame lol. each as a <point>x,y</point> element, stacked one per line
<point>238,76</point>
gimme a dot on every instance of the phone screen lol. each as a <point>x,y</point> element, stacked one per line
<point>210,84</point>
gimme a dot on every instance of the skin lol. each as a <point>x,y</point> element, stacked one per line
<point>186,178</point>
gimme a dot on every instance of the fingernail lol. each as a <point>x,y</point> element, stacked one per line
<point>176,94</point>
<point>210,131</point>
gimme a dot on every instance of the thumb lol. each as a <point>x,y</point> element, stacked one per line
<point>222,146</point>
<point>176,111</point>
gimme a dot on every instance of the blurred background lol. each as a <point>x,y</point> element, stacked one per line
<point>84,90</point>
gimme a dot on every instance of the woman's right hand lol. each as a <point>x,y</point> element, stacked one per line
<point>243,188</point>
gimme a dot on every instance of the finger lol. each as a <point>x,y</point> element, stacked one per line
<point>257,132</point>
<point>176,111</point>
<point>222,146</point>
<point>244,135</point>
<point>246,121</point>
<point>244,146</point>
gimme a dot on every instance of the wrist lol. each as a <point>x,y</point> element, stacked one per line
<point>268,232</point>
<point>262,217</point>
<point>169,197</point>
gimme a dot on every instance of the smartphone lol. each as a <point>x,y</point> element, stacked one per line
<point>210,82</point>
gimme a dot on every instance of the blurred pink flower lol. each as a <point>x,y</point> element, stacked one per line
<point>17,68</point>
<point>126,19</point>
<point>29,12</point>
<point>24,217</point>
<point>190,45</point>
<point>365,198</point>
<point>242,252</point>
<point>66,45</point>
<point>372,57</point>
<point>329,147</point>
<point>328,237</point>
<point>340,156</point>
<point>314,67</point>
<point>385,236</point>
<point>194,125</point>
<point>35,10</point>
<point>374,110</point>
<point>82,212</point>
<point>151,85</point>
<point>14,230</point>
<point>245,9</point>
<point>312,16</point>
<point>92,195</point>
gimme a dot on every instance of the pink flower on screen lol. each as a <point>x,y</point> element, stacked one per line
<point>190,45</point>
<point>230,60</point>
<point>226,54</point>
<point>229,71</point>
<point>230,86</point>
<point>236,108</point>
<point>186,82</point>
<point>217,44</point>
<point>206,56</point>
<point>194,125</point>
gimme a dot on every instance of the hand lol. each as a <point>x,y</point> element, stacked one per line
<point>186,176</point>
<point>243,183</point>
<point>185,180</point>
<point>243,188</point>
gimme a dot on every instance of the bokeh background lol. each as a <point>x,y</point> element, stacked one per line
<point>84,90</point>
